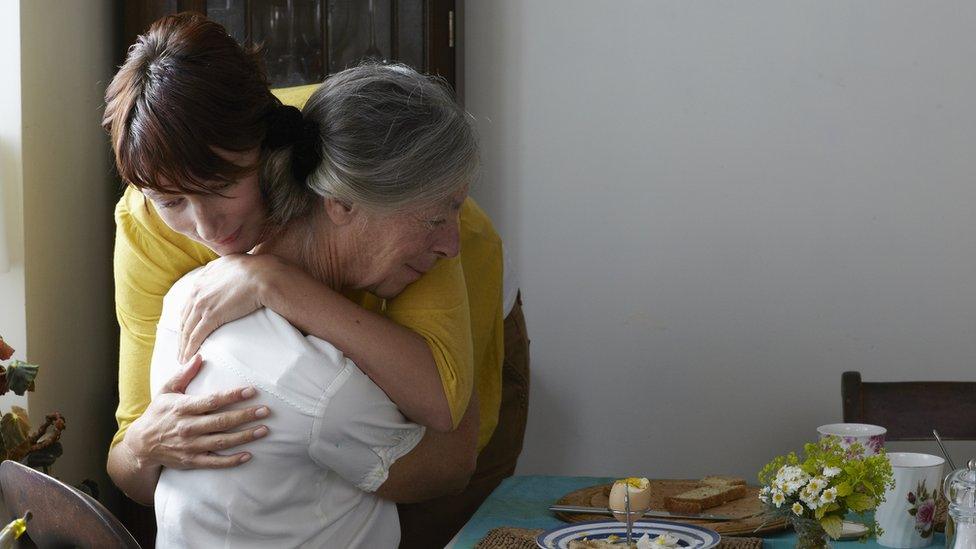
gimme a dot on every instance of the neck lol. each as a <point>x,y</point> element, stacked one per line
<point>310,244</point>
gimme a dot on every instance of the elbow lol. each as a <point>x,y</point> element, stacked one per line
<point>441,421</point>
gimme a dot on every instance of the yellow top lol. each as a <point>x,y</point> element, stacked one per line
<point>456,307</point>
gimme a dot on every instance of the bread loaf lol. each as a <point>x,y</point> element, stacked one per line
<point>704,497</point>
<point>722,480</point>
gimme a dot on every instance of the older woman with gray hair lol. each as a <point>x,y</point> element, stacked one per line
<point>365,195</point>
<point>377,159</point>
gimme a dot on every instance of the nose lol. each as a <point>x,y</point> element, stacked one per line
<point>447,242</point>
<point>208,222</point>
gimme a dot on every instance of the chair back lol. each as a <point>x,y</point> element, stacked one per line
<point>62,516</point>
<point>910,410</point>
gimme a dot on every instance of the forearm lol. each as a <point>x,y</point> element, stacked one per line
<point>132,475</point>
<point>441,464</point>
<point>397,359</point>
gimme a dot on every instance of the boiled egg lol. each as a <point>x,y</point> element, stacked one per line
<point>640,496</point>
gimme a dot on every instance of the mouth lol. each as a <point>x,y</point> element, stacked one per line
<point>418,271</point>
<point>230,239</point>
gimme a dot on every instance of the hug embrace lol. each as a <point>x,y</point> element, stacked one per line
<point>322,342</point>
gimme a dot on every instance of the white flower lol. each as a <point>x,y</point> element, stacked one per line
<point>831,472</point>
<point>817,484</point>
<point>828,496</point>
<point>810,498</point>
<point>791,487</point>
<point>797,509</point>
<point>778,498</point>
<point>789,473</point>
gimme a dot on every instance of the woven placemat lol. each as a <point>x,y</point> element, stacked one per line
<point>521,538</point>
<point>509,538</point>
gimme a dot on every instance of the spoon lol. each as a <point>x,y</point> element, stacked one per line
<point>944,452</point>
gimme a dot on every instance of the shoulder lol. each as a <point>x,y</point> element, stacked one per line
<point>481,247</point>
<point>476,225</point>
<point>265,350</point>
<point>174,300</point>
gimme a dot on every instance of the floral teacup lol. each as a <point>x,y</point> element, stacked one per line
<point>870,437</point>
<point>907,515</point>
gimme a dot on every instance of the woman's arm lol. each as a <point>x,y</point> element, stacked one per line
<point>180,431</point>
<point>172,430</point>
<point>397,358</point>
<point>441,464</point>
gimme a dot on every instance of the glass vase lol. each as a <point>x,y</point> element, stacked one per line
<point>809,534</point>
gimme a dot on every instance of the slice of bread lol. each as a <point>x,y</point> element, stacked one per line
<point>722,480</point>
<point>704,497</point>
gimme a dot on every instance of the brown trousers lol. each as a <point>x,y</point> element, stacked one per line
<point>431,524</point>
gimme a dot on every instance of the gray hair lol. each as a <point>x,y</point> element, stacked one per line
<point>392,139</point>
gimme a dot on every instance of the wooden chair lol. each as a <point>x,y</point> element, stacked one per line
<point>62,515</point>
<point>910,410</point>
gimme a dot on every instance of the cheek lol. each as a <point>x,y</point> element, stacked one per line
<point>249,206</point>
<point>180,221</point>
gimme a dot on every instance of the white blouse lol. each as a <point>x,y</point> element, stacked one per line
<point>333,435</point>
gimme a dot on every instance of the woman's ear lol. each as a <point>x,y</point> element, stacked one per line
<point>340,212</point>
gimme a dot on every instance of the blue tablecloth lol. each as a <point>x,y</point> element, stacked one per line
<point>523,502</point>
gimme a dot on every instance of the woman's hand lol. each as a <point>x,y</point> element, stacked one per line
<point>182,431</point>
<point>228,288</point>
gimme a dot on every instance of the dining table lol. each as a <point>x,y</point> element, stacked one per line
<point>523,501</point>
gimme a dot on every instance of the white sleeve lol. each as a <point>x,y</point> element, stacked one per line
<point>359,432</point>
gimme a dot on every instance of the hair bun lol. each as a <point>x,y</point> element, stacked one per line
<point>287,127</point>
<point>284,127</point>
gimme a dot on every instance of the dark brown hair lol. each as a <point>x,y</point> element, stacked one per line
<point>186,87</point>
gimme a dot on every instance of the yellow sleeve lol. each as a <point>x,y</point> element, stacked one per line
<point>436,308</point>
<point>149,258</point>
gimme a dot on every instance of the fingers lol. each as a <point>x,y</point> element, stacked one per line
<point>191,317</point>
<point>220,422</point>
<point>179,382</point>
<point>205,404</point>
<point>212,461</point>
<point>193,334</point>
<point>223,441</point>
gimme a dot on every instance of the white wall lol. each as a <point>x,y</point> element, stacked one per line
<point>67,51</point>
<point>718,207</point>
<point>13,326</point>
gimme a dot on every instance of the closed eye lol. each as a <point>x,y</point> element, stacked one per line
<point>170,203</point>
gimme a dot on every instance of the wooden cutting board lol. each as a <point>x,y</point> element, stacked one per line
<point>747,509</point>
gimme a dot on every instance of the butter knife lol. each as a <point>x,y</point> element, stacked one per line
<point>653,514</point>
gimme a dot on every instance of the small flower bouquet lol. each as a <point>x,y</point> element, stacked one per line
<point>816,492</point>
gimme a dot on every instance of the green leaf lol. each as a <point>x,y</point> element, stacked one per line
<point>14,436</point>
<point>833,525</point>
<point>858,502</point>
<point>911,512</point>
<point>20,376</point>
<point>844,489</point>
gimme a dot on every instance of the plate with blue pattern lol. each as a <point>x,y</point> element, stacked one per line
<point>688,536</point>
